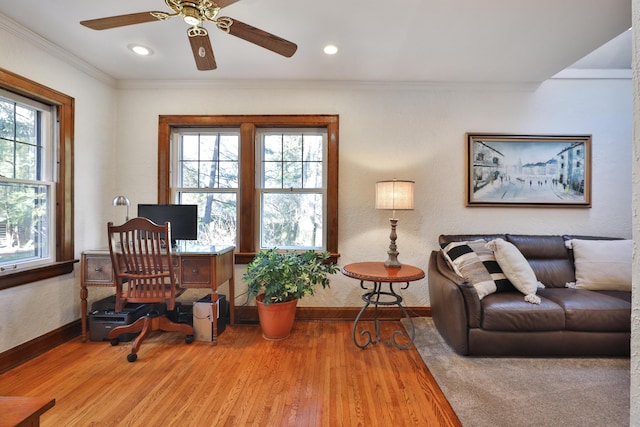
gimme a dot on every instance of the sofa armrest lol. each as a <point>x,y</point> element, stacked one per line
<point>455,305</point>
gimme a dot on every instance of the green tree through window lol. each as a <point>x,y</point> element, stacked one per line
<point>208,177</point>
<point>25,181</point>
<point>259,180</point>
<point>292,190</point>
<point>36,181</point>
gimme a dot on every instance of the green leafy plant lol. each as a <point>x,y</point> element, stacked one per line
<point>284,276</point>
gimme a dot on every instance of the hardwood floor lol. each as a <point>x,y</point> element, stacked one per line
<point>317,377</point>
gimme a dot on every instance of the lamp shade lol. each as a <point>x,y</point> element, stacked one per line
<point>121,201</point>
<point>394,194</point>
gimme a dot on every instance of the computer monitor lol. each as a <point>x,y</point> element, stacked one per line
<point>183,219</point>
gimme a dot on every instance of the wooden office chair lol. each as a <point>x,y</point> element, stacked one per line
<point>144,272</point>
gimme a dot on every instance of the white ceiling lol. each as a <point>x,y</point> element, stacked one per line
<point>504,41</point>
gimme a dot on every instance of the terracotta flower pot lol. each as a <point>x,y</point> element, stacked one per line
<point>276,319</point>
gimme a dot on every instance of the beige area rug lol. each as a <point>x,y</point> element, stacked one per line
<point>558,392</point>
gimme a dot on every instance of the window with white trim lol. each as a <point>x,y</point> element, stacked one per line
<point>205,173</point>
<point>286,193</point>
<point>28,140</point>
<point>292,188</point>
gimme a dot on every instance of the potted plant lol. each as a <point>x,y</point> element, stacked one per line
<point>277,280</point>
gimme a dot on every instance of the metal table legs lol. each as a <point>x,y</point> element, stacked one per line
<point>378,297</point>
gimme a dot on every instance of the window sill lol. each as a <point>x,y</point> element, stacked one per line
<point>35,274</point>
<point>247,257</point>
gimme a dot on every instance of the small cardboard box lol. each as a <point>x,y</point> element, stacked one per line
<point>203,317</point>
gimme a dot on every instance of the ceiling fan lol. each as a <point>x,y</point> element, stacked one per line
<point>194,13</point>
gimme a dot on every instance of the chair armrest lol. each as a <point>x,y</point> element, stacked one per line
<point>455,305</point>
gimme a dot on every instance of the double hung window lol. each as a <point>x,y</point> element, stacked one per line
<point>259,181</point>
<point>291,185</point>
<point>206,174</point>
<point>36,181</point>
<point>26,181</point>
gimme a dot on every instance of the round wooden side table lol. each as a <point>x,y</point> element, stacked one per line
<point>378,274</point>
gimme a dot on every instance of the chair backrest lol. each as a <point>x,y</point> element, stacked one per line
<point>142,261</point>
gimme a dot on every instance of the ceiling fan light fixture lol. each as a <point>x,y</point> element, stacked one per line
<point>138,49</point>
<point>194,13</point>
<point>191,15</point>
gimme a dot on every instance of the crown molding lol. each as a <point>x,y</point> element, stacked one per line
<point>132,84</point>
<point>53,49</point>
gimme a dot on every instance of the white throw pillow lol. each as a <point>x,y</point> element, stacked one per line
<point>516,268</point>
<point>603,265</point>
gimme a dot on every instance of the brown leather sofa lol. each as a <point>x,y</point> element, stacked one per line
<point>568,322</point>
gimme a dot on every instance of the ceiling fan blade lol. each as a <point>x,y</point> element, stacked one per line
<point>202,50</point>
<point>262,38</point>
<point>225,3</point>
<point>122,20</point>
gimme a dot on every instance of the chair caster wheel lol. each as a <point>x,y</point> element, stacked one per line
<point>115,341</point>
<point>189,339</point>
<point>132,357</point>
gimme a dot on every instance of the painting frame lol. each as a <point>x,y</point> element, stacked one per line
<point>528,170</point>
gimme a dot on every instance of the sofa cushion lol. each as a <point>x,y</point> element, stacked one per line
<point>507,311</point>
<point>445,239</point>
<point>477,264</point>
<point>602,264</point>
<point>591,311</point>
<point>548,257</point>
<point>623,295</point>
<point>516,268</point>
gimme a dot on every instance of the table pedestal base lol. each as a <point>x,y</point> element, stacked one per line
<point>377,297</point>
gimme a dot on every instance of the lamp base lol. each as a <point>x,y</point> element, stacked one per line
<point>392,260</point>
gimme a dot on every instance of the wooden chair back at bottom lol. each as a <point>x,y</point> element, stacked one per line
<point>143,264</point>
<point>144,270</point>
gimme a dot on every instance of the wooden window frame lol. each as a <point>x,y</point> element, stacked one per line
<point>64,232</point>
<point>248,124</point>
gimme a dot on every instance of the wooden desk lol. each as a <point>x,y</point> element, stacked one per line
<point>206,268</point>
<point>378,274</point>
<point>17,411</point>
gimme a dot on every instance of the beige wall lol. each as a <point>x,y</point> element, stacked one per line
<point>29,311</point>
<point>411,131</point>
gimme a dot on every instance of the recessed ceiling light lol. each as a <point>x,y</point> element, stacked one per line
<point>140,50</point>
<point>330,49</point>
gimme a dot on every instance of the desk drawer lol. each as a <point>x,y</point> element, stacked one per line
<point>195,271</point>
<point>98,270</point>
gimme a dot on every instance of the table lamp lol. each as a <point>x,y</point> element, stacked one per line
<point>122,201</point>
<point>394,195</point>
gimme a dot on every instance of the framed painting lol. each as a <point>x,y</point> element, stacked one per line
<point>528,170</point>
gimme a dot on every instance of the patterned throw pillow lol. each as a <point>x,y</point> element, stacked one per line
<point>477,263</point>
